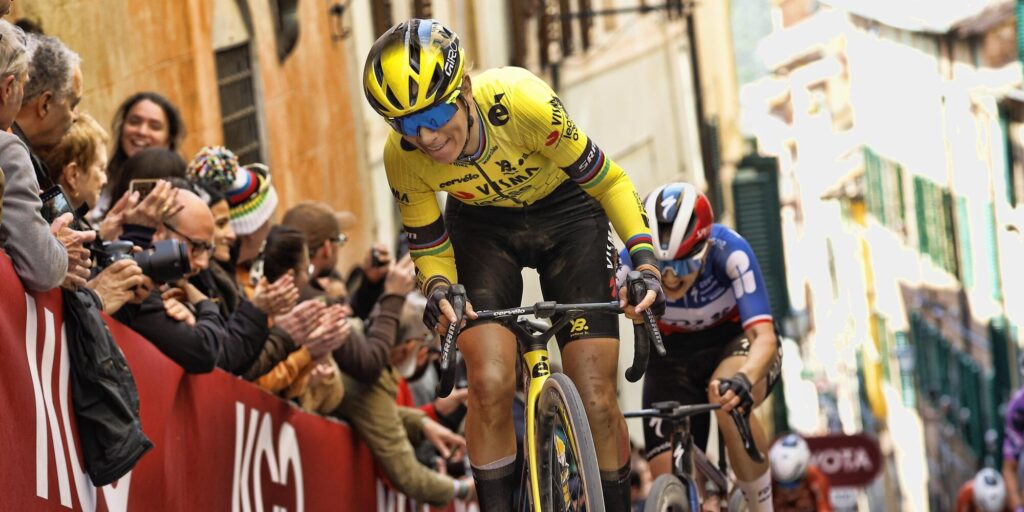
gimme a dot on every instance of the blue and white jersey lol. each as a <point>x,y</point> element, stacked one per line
<point>729,289</point>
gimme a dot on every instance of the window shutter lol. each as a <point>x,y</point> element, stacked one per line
<point>239,115</point>
<point>964,237</point>
<point>756,195</point>
<point>992,254</point>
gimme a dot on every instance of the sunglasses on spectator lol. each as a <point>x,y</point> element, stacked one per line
<point>339,239</point>
<point>432,118</point>
<point>198,246</point>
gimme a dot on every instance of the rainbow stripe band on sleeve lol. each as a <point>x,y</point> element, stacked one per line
<point>641,242</point>
<point>590,168</point>
<point>429,249</point>
<point>595,175</point>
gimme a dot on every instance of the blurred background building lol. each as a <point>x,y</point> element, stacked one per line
<point>896,126</point>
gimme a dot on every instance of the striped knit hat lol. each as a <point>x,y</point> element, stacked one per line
<point>251,197</point>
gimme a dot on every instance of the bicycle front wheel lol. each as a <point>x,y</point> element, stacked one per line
<point>667,494</point>
<point>569,477</point>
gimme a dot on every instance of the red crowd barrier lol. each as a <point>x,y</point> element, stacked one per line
<point>220,442</point>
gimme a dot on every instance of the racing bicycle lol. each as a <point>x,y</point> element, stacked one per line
<point>560,471</point>
<point>680,491</point>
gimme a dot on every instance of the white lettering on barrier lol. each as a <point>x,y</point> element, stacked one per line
<point>254,442</point>
<point>842,460</point>
<point>48,430</point>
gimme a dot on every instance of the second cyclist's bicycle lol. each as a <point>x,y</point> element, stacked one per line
<point>560,470</point>
<point>681,490</point>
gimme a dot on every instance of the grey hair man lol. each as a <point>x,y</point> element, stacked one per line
<point>45,255</point>
<point>51,98</point>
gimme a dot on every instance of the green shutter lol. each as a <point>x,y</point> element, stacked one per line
<point>759,223</point>
<point>964,237</point>
<point>949,256</point>
<point>1002,365</point>
<point>920,217</point>
<point>993,420</point>
<point>992,253</point>
<point>908,360</point>
<point>1019,11</point>
<point>902,200</point>
<point>1004,129</point>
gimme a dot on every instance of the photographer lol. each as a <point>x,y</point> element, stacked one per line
<point>179,319</point>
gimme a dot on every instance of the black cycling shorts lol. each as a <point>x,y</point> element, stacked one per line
<point>683,376</point>
<point>565,236</point>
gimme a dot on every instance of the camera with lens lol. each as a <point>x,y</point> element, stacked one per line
<point>167,261</point>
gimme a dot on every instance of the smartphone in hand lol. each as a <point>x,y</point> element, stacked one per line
<point>142,186</point>
<point>55,204</point>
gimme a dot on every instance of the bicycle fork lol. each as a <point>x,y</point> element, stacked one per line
<point>682,460</point>
<point>537,370</point>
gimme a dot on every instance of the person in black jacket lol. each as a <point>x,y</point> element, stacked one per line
<point>179,319</point>
<point>247,322</point>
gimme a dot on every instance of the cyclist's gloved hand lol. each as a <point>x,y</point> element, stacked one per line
<point>652,278</point>
<point>740,385</point>
<point>432,312</point>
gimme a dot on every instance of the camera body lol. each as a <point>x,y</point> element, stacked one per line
<point>167,261</point>
<point>375,260</point>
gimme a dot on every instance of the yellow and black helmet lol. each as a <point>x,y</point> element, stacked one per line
<point>414,65</point>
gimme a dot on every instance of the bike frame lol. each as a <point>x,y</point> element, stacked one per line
<point>687,458</point>
<point>533,349</point>
<point>535,356</point>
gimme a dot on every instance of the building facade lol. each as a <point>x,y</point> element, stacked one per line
<point>895,133</point>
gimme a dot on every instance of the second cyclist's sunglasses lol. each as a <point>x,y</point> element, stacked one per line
<point>432,118</point>
<point>686,265</point>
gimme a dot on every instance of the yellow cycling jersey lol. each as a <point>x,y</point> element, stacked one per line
<point>529,146</point>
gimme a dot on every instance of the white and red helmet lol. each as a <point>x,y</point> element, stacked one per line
<point>989,490</point>
<point>682,219</point>
<point>789,458</point>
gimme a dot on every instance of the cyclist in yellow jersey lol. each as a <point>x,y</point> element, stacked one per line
<point>526,188</point>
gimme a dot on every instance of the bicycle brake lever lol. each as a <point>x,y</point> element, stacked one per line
<point>650,323</point>
<point>636,288</point>
<point>446,382</point>
<point>742,422</point>
<point>743,425</point>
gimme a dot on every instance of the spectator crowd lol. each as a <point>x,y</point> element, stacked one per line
<point>184,249</point>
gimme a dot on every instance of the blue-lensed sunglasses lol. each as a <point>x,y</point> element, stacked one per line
<point>685,266</point>
<point>432,118</point>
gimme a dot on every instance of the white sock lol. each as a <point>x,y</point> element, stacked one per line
<point>758,493</point>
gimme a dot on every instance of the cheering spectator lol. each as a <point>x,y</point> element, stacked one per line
<point>248,325</point>
<point>250,194</point>
<point>144,120</point>
<point>150,163</point>
<point>323,234</point>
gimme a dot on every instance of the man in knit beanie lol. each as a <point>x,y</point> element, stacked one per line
<point>250,194</point>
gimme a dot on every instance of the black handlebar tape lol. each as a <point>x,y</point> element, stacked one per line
<point>637,289</point>
<point>446,381</point>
